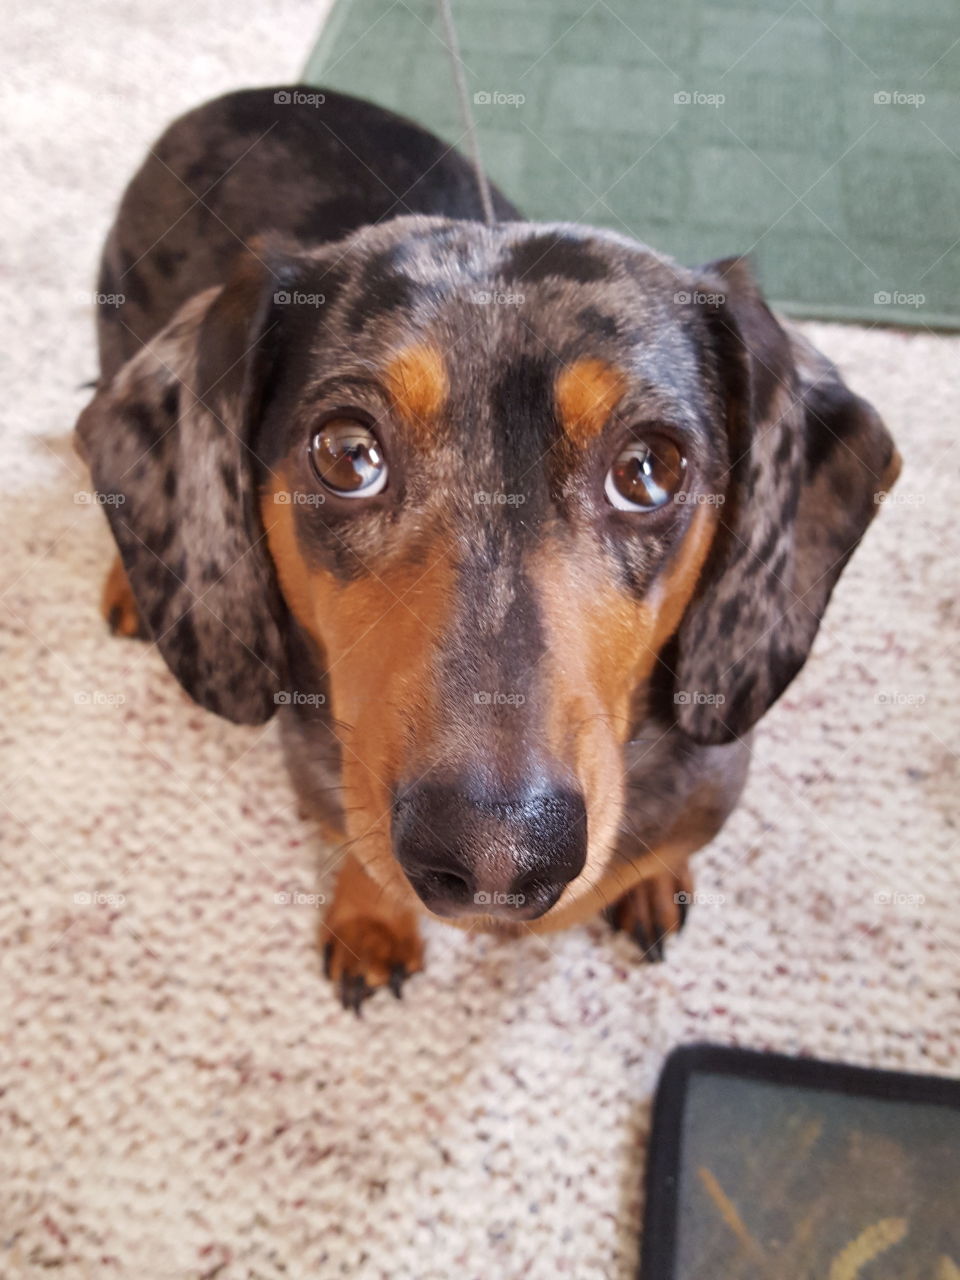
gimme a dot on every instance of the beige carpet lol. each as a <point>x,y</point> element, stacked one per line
<point>180,1095</point>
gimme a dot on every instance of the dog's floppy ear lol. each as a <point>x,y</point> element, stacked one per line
<point>808,460</point>
<point>167,442</point>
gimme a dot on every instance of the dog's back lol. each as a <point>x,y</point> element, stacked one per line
<point>264,162</point>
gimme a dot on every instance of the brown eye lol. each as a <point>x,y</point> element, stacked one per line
<point>348,458</point>
<point>645,475</point>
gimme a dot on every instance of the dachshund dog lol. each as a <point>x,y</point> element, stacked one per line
<point>521,527</point>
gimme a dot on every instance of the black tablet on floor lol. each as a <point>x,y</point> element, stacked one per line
<point>765,1167</point>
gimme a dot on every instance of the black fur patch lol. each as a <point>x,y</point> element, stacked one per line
<point>144,423</point>
<point>549,255</point>
<point>596,322</point>
<point>831,418</point>
<point>381,290</point>
<point>166,261</point>
<point>134,288</point>
<point>525,424</point>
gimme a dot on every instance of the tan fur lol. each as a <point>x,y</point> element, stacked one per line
<point>892,472</point>
<point>416,379</point>
<point>368,934</point>
<point>640,885</point>
<point>117,604</point>
<point>601,645</point>
<point>377,634</point>
<point>586,393</point>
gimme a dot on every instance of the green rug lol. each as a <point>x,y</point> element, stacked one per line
<point>822,137</point>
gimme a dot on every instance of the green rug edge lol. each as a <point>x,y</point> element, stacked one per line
<point>318,64</point>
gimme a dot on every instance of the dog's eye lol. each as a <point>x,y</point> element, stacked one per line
<point>348,458</point>
<point>645,475</point>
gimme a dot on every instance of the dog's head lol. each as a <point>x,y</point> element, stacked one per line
<point>521,487</point>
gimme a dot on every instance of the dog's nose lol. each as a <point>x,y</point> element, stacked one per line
<point>479,851</point>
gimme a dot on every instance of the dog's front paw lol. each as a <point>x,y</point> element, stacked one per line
<point>654,909</point>
<point>366,943</point>
<point>364,954</point>
<point>118,606</point>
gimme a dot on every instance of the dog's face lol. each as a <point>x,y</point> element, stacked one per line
<point>522,488</point>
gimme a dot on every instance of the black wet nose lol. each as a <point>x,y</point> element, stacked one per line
<point>476,851</point>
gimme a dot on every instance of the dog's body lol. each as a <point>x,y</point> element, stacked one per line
<point>496,672</point>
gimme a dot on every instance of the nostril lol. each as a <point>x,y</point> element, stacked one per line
<point>439,882</point>
<point>447,883</point>
<point>538,888</point>
<point>534,882</point>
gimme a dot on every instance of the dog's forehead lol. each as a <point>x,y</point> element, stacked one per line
<point>557,291</point>
<point>444,249</point>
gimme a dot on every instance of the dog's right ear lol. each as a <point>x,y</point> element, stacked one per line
<point>168,445</point>
<point>808,464</point>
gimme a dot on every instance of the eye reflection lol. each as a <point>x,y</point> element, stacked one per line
<point>348,457</point>
<point>646,474</point>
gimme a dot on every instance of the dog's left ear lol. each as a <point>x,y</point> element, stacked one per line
<point>808,463</point>
<point>168,442</point>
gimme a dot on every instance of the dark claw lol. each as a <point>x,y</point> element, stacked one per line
<point>398,976</point>
<point>361,992</point>
<point>327,959</point>
<point>639,935</point>
<point>659,938</point>
<point>113,621</point>
<point>652,951</point>
<point>353,992</point>
<point>610,914</point>
<point>682,907</point>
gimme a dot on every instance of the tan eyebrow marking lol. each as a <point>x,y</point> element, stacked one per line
<point>416,379</point>
<point>586,392</point>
